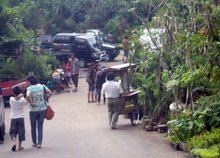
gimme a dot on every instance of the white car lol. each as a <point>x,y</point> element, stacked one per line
<point>2,118</point>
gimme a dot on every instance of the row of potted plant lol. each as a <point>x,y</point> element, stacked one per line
<point>198,131</point>
<point>206,145</point>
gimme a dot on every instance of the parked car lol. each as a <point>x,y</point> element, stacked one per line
<point>111,50</point>
<point>2,118</point>
<point>64,44</point>
<point>7,87</point>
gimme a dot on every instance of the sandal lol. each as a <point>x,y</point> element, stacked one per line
<point>39,146</point>
<point>13,148</point>
<point>34,145</point>
<point>21,148</point>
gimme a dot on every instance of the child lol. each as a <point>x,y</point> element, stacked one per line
<point>17,118</point>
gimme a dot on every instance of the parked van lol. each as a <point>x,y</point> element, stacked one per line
<point>2,118</point>
<point>64,44</point>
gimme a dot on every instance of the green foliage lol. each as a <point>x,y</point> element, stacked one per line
<point>205,140</point>
<point>206,145</point>
<point>210,105</point>
<point>10,69</point>
<point>11,23</point>
<point>212,152</point>
<point>146,79</point>
<point>185,61</point>
<point>186,125</point>
<point>113,26</point>
<point>37,64</point>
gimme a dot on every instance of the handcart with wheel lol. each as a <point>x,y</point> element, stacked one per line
<point>129,102</point>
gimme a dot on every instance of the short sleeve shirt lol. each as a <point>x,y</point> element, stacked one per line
<point>17,107</point>
<point>111,89</point>
<point>36,95</point>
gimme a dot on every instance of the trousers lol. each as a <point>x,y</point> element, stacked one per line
<point>37,121</point>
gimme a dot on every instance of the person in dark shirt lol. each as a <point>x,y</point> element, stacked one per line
<point>100,80</point>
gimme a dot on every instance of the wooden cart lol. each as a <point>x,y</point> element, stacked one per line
<point>129,102</point>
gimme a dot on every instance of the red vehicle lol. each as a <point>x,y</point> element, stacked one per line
<point>9,85</point>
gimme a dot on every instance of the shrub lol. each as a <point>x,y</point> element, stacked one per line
<point>212,152</point>
<point>206,145</point>
<point>186,125</point>
<point>29,63</point>
<point>205,140</point>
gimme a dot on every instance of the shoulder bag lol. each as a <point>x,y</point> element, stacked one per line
<point>49,111</point>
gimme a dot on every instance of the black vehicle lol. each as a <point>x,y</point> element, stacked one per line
<point>2,118</point>
<point>111,50</point>
<point>64,44</point>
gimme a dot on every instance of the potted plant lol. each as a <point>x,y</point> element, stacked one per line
<point>206,145</point>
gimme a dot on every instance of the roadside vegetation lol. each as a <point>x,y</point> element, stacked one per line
<point>182,67</point>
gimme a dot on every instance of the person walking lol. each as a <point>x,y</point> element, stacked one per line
<point>75,72</point>
<point>35,96</point>
<point>112,90</point>
<point>125,44</point>
<point>17,127</point>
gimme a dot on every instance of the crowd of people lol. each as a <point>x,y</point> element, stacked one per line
<point>100,83</point>
<point>61,78</point>
<point>66,79</point>
<point>35,97</point>
<point>95,78</point>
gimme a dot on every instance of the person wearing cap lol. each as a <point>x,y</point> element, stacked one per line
<point>112,90</point>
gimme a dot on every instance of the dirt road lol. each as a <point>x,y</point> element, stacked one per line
<point>80,130</point>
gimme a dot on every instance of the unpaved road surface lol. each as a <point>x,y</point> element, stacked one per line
<point>80,130</point>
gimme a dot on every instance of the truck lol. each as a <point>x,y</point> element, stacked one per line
<point>7,88</point>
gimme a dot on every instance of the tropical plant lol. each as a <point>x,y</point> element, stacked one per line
<point>185,63</point>
<point>186,125</point>
<point>212,152</point>
<point>39,65</point>
<point>206,145</point>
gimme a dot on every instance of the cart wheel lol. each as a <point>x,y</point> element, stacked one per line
<point>134,117</point>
